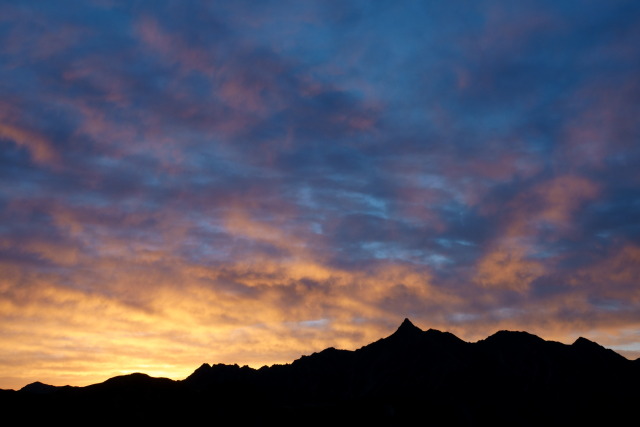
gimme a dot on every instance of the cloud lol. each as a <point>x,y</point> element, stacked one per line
<point>245,184</point>
<point>38,146</point>
<point>508,268</point>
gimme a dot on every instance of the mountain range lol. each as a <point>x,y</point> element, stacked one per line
<point>412,377</point>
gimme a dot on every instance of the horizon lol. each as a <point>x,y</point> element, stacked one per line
<point>187,182</point>
<point>309,353</point>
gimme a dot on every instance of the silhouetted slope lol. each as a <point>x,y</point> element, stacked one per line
<point>508,378</point>
<point>39,388</point>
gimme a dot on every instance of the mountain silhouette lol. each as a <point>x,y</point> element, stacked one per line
<point>410,377</point>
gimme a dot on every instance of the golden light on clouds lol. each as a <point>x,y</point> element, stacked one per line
<point>257,312</point>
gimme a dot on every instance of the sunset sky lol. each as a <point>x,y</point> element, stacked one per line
<point>245,182</point>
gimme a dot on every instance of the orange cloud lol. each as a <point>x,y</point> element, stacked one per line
<point>240,224</point>
<point>553,202</point>
<point>172,48</point>
<point>510,262</point>
<point>38,146</point>
<point>615,277</point>
<point>508,268</point>
<point>563,196</point>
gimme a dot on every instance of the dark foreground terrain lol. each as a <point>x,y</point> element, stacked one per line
<point>412,377</point>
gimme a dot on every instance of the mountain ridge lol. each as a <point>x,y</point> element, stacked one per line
<point>507,374</point>
<point>405,330</point>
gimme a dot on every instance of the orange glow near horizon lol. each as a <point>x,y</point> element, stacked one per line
<point>144,323</point>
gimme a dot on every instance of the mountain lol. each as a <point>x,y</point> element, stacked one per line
<point>410,377</point>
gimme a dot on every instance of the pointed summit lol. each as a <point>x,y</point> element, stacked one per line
<point>595,350</point>
<point>407,328</point>
<point>584,342</point>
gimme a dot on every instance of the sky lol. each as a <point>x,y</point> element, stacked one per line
<point>246,182</point>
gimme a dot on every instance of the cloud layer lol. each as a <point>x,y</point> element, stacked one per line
<point>188,182</point>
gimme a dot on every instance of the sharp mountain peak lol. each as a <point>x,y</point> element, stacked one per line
<point>407,327</point>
